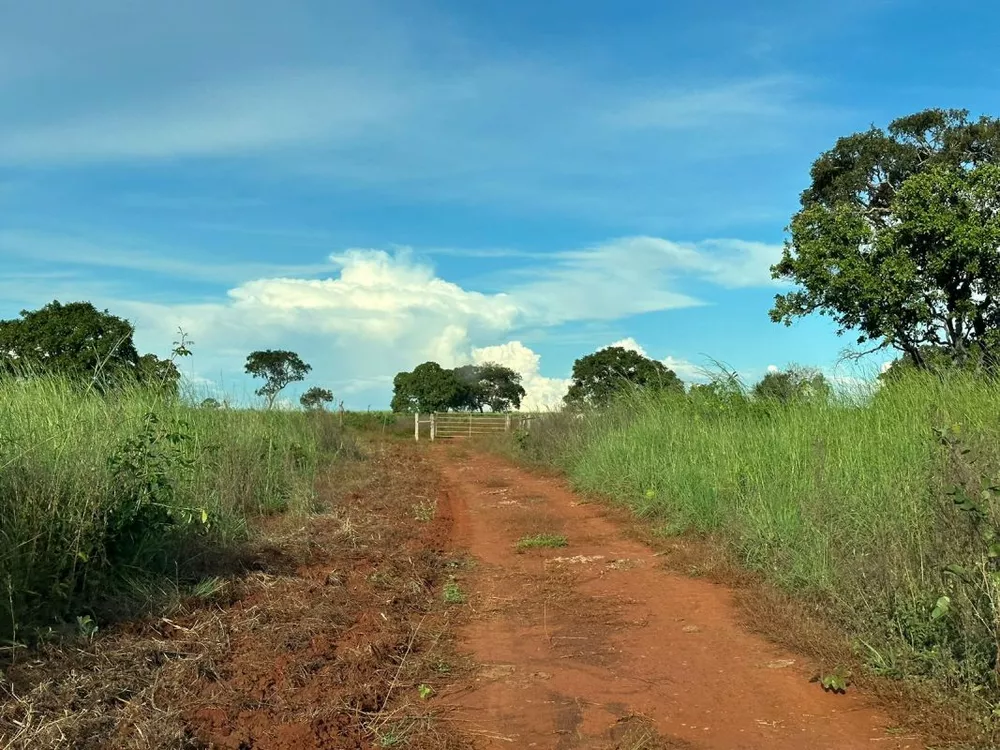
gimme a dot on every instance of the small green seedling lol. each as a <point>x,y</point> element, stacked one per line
<point>835,682</point>
<point>425,511</point>
<point>452,594</point>
<point>86,627</point>
<point>425,691</point>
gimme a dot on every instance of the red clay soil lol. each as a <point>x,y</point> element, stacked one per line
<point>575,642</point>
<point>323,644</point>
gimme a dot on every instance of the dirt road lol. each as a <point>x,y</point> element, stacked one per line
<point>403,615</point>
<point>595,645</point>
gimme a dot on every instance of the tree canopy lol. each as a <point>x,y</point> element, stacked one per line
<point>78,341</point>
<point>75,339</point>
<point>897,237</point>
<point>792,385</point>
<point>430,387</point>
<point>599,376</point>
<point>278,368</point>
<point>490,385</point>
<point>315,398</point>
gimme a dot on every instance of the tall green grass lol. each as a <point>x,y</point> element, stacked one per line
<point>878,507</point>
<point>98,493</point>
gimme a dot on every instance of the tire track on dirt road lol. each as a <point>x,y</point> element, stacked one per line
<point>576,643</point>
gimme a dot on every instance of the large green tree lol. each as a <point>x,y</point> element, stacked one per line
<point>490,385</point>
<point>897,237</point>
<point>278,368</point>
<point>428,388</point>
<point>74,339</point>
<point>599,376</point>
<point>792,385</point>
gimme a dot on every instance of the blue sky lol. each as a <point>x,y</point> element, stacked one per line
<point>377,184</point>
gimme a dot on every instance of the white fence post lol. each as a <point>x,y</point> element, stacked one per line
<point>416,425</point>
<point>506,424</point>
<point>433,430</point>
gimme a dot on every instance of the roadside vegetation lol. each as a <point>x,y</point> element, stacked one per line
<point>879,506</point>
<point>116,491</point>
<point>885,511</point>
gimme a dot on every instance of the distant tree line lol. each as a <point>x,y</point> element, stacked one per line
<point>897,239</point>
<point>95,348</point>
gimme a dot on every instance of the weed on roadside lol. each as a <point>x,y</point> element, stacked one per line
<point>424,511</point>
<point>452,594</point>
<point>542,541</point>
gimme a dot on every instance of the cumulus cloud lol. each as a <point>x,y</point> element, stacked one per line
<point>383,312</point>
<point>541,393</point>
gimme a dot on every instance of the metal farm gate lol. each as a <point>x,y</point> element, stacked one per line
<point>451,424</point>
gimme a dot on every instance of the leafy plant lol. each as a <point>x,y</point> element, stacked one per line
<point>834,682</point>
<point>452,594</point>
<point>86,627</point>
<point>424,511</point>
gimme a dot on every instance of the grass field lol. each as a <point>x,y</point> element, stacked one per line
<point>108,503</point>
<point>882,509</point>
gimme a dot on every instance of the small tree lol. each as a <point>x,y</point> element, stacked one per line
<point>793,384</point>
<point>278,368</point>
<point>315,398</point>
<point>158,374</point>
<point>599,376</point>
<point>210,403</point>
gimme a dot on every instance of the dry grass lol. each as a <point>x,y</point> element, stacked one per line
<point>324,643</point>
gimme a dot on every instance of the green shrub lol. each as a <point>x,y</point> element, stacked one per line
<point>96,492</point>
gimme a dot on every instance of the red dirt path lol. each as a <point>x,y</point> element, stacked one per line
<point>574,641</point>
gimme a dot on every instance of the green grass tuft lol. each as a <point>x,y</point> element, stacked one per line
<point>540,541</point>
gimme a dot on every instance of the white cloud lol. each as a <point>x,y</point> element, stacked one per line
<point>627,343</point>
<point>385,312</point>
<point>773,368</point>
<point>218,119</point>
<point>634,275</point>
<point>680,108</point>
<point>541,393</point>
<point>687,371</point>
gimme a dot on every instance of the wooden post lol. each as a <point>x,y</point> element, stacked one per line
<point>416,425</point>
<point>506,424</point>
<point>433,427</point>
<point>470,424</point>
